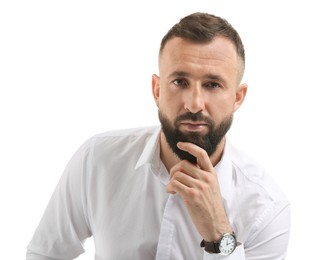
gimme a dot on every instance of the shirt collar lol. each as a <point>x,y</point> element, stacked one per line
<point>151,152</point>
<point>224,170</point>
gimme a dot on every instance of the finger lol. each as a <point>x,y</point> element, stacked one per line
<point>201,155</point>
<point>179,185</point>
<point>170,189</point>
<point>185,167</point>
<point>179,177</point>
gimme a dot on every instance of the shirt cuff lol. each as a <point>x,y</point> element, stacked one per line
<point>238,254</point>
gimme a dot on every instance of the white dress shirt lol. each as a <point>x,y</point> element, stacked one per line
<point>113,189</point>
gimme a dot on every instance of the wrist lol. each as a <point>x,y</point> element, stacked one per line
<point>218,232</point>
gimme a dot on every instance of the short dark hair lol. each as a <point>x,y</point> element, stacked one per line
<point>203,28</point>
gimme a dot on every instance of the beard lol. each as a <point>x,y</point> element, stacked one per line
<point>208,142</point>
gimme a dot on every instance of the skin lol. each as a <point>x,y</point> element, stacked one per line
<point>198,78</point>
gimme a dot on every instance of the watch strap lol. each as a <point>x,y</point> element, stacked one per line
<point>210,247</point>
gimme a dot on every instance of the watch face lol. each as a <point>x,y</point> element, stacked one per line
<point>227,244</point>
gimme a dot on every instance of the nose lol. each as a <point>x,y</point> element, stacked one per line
<point>194,100</point>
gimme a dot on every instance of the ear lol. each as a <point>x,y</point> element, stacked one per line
<point>155,88</point>
<point>240,96</point>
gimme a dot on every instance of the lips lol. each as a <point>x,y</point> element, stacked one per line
<point>194,126</point>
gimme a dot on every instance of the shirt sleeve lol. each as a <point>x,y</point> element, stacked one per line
<point>269,237</point>
<point>238,254</point>
<point>64,225</point>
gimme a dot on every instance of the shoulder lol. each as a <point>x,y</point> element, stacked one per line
<point>129,132</point>
<point>121,141</point>
<point>252,174</point>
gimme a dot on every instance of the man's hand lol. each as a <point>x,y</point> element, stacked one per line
<point>199,188</point>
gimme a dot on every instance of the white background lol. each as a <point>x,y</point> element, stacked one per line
<point>71,69</point>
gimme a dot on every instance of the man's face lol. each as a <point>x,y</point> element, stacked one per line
<point>197,92</point>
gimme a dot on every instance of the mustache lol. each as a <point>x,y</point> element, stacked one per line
<point>193,117</point>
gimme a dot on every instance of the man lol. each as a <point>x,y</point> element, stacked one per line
<point>179,191</point>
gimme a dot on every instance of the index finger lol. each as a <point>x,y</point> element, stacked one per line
<point>201,155</point>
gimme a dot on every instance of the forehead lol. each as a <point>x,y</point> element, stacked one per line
<point>216,56</point>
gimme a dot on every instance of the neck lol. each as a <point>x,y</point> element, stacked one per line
<point>169,158</point>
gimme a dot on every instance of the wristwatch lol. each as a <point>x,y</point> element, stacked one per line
<point>224,246</point>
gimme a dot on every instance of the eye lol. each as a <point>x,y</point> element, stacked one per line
<point>182,83</point>
<point>212,85</point>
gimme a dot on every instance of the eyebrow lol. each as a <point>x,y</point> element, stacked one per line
<point>179,74</point>
<point>186,74</point>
